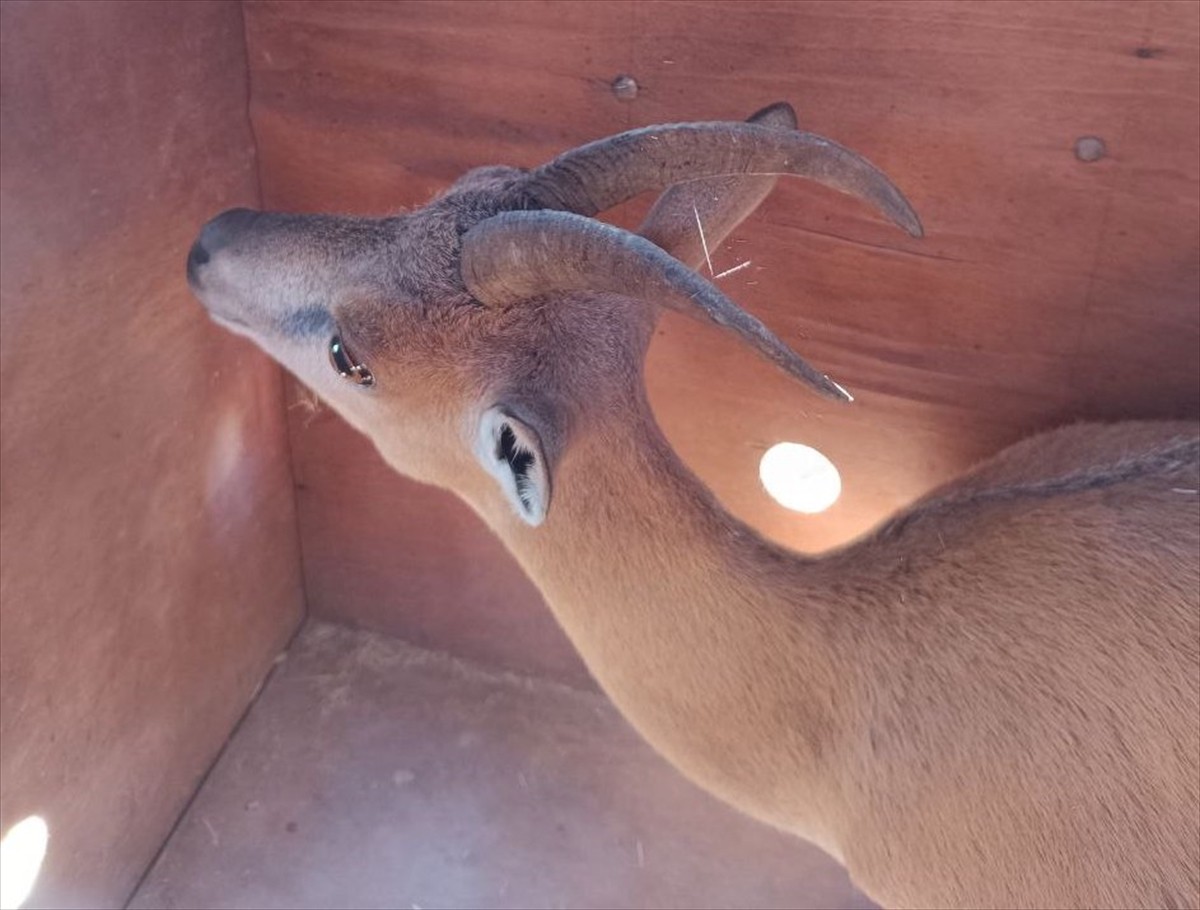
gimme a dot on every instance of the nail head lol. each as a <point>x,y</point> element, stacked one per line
<point>625,88</point>
<point>1090,148</point>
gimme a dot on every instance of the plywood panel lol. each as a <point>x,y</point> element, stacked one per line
<point>1047,289</point>
<point>150,564</point>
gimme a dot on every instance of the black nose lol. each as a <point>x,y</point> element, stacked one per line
<point>216,235</point>
<point>197,256</point>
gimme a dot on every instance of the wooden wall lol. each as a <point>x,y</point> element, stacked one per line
<point>149,566</point>
<point>149,569</point>
<point>1048,288</point>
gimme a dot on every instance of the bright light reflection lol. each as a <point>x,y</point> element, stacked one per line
<point>800,478</point>
<point>21,853</point>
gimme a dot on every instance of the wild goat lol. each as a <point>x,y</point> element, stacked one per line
<point>993,700</point>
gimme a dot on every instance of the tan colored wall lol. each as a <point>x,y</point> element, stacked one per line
<point>149,556</point>
<point>1047,288</point>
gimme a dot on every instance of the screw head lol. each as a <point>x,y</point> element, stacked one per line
<point>1090,148</point>
<point>624,87</point>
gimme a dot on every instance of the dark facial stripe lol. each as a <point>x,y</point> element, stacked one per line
<point>307,322</point>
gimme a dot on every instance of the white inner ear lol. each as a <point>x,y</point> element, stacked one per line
<point>511,451</point>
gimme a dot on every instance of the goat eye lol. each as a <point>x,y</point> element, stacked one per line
<point>347,364</point>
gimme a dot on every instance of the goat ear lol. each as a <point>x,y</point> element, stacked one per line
<point>511,451</point>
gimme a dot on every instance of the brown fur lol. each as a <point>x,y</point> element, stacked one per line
<point>994,700</point>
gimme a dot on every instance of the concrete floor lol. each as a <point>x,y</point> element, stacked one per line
<point>373,774</point>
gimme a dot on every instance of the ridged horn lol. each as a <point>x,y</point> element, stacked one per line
<point>516,256</point>
<point>719,204</point>
<point>595,177</point>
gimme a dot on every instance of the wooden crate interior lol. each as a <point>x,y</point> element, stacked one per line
<point>174,507</point>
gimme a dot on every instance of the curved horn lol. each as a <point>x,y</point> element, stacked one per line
<point>518,255</point>
<point>601,174</point>
<point>719,203</point>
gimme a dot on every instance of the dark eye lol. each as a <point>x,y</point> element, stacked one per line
<point>347,364</point>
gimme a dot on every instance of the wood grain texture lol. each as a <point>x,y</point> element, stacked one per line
<point>1048,289</point>
<point>150,567</point>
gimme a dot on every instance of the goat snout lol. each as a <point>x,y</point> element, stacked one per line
<point>216,235</point>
